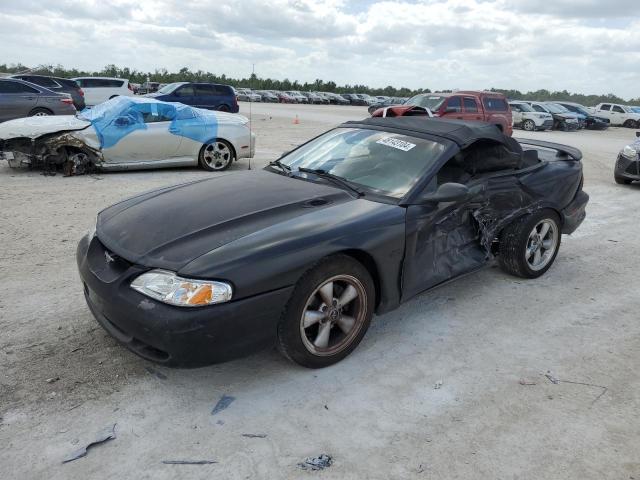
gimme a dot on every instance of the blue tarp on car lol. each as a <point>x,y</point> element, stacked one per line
<point>116,118</point>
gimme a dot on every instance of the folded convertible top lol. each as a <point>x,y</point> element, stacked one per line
<point>458,131</point>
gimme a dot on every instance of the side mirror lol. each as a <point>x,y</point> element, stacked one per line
<point>638,134</point>
<point>447,192</point>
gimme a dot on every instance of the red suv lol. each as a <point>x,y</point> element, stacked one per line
<point>465,105</point>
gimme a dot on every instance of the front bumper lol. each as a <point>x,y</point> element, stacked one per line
<point>545,125</point>
<point>627,168</point>
<point>173,336</point>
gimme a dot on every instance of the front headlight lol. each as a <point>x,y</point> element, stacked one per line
<point>169,288</point>
<point>630,152</point>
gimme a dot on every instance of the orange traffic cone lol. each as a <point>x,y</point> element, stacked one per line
<point>296,121</point>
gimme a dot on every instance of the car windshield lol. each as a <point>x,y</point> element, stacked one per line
<point>524,107</point>
<point>627,109</point>
<point>385,163</point>
<point>553,108</point>
<point>169,88</point>
<point>432,102</point>
<point>582,110</point>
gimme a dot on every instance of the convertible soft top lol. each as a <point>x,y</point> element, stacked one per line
<point>458,131</point>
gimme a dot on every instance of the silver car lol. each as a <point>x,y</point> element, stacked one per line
<point>128,133</point>
<point>23,99</point>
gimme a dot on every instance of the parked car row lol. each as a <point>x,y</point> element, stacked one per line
<point>560,115</point>
<point>320,98</point>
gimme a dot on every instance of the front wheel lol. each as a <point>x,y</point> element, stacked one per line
<point>216,156</point>
<point>223,108</point>
<point>529,125</point>
<point>528,246</point>
<point>328,313</point>
<point>629,124</point>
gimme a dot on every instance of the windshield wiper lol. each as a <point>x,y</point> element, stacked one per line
<point>333,178</point>
<point>286,169</point>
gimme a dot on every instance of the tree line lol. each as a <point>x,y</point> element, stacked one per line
<point>254,82</point>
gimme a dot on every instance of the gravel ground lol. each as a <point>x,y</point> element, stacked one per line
<point>485,341</point>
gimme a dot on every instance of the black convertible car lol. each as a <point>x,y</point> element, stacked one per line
<point>302,253</point>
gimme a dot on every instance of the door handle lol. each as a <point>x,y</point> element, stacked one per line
<point>459,118</point>
<point>478,118</point>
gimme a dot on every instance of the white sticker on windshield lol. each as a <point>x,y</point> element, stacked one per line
<point>395,143</point>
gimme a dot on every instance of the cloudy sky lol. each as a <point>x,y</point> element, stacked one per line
<point>586,46</point>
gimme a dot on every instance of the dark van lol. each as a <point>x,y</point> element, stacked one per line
<point>211,96</point>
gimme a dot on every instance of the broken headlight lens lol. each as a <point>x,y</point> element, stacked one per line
<point>630,152</point>
<point>169,288</point>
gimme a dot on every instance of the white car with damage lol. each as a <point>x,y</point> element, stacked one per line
<point>525,117</point>
<point>128,133</point>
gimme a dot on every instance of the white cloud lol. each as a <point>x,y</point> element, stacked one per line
<point>587,46</point>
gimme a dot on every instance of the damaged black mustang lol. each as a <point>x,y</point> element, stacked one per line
<point>302,253</point>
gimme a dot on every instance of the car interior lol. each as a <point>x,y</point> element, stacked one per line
<point>484,158</point>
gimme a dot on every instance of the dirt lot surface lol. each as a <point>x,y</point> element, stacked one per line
<point>486,341</point>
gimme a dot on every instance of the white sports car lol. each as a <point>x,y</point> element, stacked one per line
<point>128,133</point>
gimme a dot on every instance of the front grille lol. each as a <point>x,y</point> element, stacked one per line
<point>632,168</point>
<point>105,264</point>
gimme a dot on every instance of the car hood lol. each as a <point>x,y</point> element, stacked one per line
<point>33,127</point>
<point>171,227</point>
<point>565,115</point>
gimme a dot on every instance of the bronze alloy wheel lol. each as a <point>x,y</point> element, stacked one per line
<point>334,315</point>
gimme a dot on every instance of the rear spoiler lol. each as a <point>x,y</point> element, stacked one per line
<point>563,150</point>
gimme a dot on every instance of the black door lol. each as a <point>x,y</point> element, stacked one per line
<point>443,241</point>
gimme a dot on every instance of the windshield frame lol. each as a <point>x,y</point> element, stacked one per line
<point>524,107</point>
<point>436,107</point>
<point>174,85</point>
<point>450,149</point>
<point>553,106</point>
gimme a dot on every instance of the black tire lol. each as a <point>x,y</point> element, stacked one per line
<point>113,96</point>
<point>515,242</point>
<point>306,297</point>
<point>621,180</point>
<point>224,108</point>
<point>40,112</point>
<point>629,124</point>
<point>216,156</point>
<point>529,125</point>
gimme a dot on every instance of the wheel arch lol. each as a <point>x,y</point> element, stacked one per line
<point>36,108</point>
<point>523,213</point>
<point>368,262</point>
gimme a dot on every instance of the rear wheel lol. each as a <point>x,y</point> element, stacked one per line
<point>328,313</point>
<point>40,112</point>
<point>529,125</point>
<point>528,246</point>
<point>216,155</point>
<point>223,108</point>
